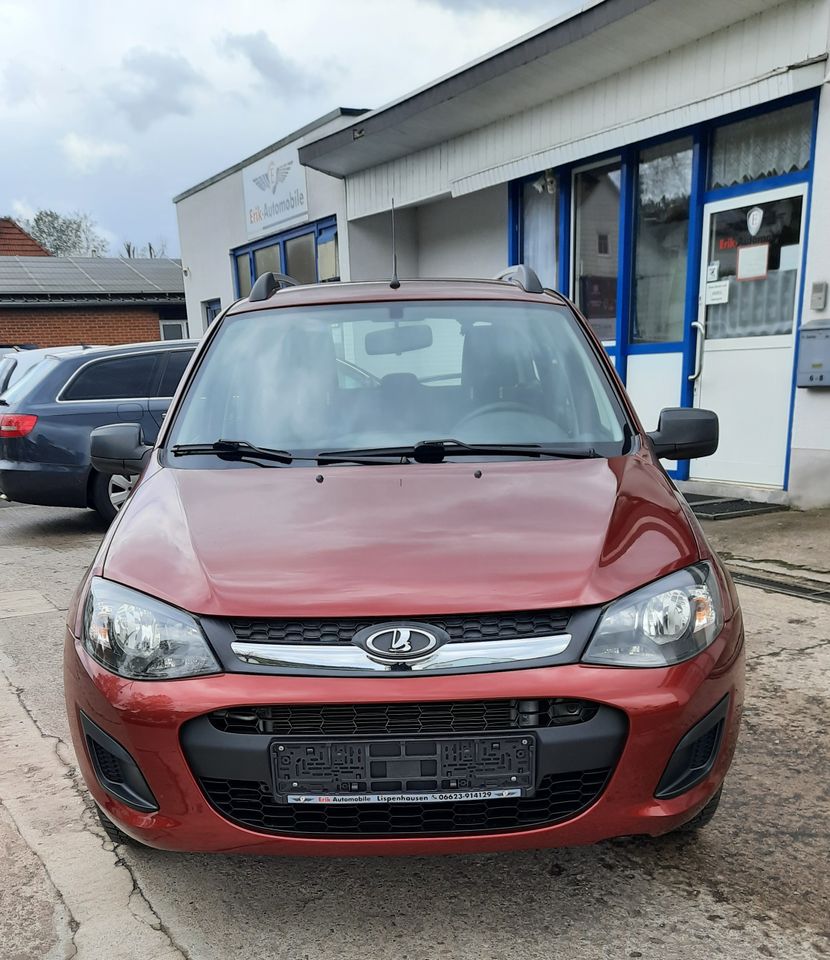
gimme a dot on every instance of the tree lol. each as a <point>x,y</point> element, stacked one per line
<point>74,235</point>
<point>130,250</point>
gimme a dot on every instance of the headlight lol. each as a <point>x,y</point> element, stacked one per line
<point>664,623</point>
<point>141,638</point>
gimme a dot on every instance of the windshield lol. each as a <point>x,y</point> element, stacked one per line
<point>343,376</point>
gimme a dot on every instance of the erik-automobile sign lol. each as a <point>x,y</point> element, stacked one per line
<point>275,192</point>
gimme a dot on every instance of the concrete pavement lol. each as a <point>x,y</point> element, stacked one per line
<point>755,883</point>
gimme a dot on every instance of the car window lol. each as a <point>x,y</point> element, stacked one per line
<point>34,375</point>
<point>176,364</point>
<point>477,371</point>
<point>117,379</point>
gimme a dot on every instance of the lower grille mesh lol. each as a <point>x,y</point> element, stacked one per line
<point>559,797</point>
<point>378,719</point>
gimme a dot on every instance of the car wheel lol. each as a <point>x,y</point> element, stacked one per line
<point>701,819</point>
<point>109,494</point>
<point>115,834</point>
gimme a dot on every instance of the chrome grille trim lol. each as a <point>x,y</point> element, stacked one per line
<point>452,657</point>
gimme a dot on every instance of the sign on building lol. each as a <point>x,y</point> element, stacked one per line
<point>275,192</point>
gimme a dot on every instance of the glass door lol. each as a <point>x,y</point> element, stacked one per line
<point>750,275</point>
<point>596,219</point>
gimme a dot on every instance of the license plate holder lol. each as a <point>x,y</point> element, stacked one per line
<point>411,770</point>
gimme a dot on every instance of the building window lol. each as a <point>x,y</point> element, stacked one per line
<point>301,259</point>
<point>173,329</point>
<point>661,243</point>
<point>210,311</point>
<point>539,211</point>
<point>309,254</point>
<point>267,259</point>
<point>596,194</point>
<point>243,274</point>
<point>602,245</point>
<point>327,255</point>
<point>763,146</point>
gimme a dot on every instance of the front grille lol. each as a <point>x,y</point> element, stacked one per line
<point>557,798</point>
<point>377,719</point>
<point>462,627</point>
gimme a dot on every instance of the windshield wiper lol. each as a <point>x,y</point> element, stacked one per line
<point>231,450</point>
<point>434,451</point>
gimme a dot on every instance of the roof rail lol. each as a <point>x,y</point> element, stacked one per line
<point>523,277</point>
<point>268,284</point>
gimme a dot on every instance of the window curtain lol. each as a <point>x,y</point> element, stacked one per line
<point>539,240</point>
<point>764,146</point>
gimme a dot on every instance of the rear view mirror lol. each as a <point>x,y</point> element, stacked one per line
<point>684,433</point>
<point>398,340</point>
<point>119,448</point>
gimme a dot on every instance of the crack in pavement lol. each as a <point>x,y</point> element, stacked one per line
<point>782,651</point>
<point>71,922</point>
<point>137,889</point>
<point>46,818</point>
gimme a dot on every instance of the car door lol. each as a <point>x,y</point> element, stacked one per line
<point>106,390</point>
<point>174,364</point>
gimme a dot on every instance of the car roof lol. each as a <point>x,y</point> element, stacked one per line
<point>380,290</point>
<point>91,353</point>
<point>40,352</point>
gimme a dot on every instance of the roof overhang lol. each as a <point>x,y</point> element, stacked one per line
<point>598,40</point>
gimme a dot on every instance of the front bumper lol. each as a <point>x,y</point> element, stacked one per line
<point>154,721</point>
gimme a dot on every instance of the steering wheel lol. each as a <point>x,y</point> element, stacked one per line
<point>500,406</point>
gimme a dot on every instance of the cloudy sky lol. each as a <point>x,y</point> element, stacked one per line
<point>113,108</point>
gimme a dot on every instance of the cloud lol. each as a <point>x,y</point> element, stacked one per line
<point>273,67</point>
<point>88,154</point>
<point>156,85</point>
<point>18,83</point>
<point>22,210</point>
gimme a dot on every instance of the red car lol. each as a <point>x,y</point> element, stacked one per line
<point>403,574</point>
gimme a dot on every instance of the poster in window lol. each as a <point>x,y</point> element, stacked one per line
<point>752,261</point>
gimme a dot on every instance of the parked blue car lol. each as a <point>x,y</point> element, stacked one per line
<point>47,416</point>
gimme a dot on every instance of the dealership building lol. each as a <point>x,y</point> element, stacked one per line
<point>666,165</point>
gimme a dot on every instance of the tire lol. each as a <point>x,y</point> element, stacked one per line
<point>109,494</point>
<point>701,819</point>
<point>115,834</point>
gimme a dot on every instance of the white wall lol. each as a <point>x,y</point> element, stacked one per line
<point>809,484</point>
<point>448,238</point>
<point>370,246</point>
<point>466,237</point>
<point>211,222</point>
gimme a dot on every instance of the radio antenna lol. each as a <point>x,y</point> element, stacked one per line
<point>394,283</point>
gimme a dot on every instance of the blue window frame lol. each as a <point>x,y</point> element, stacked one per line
<point>703,137</point>
<point>274,252</point>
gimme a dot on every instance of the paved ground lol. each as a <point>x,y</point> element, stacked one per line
<point>755,884</point>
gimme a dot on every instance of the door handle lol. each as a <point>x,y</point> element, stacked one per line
<point>701,333</point>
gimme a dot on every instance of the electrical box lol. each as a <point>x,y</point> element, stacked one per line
<point>814,354</point>
<point>818,295</point>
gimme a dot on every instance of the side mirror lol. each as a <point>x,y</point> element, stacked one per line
<point>119,448</point>
<point>684,433</point>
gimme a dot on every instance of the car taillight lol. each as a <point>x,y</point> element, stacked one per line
<point>16,424</point>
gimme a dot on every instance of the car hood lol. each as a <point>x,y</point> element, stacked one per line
<point>404,540</point>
